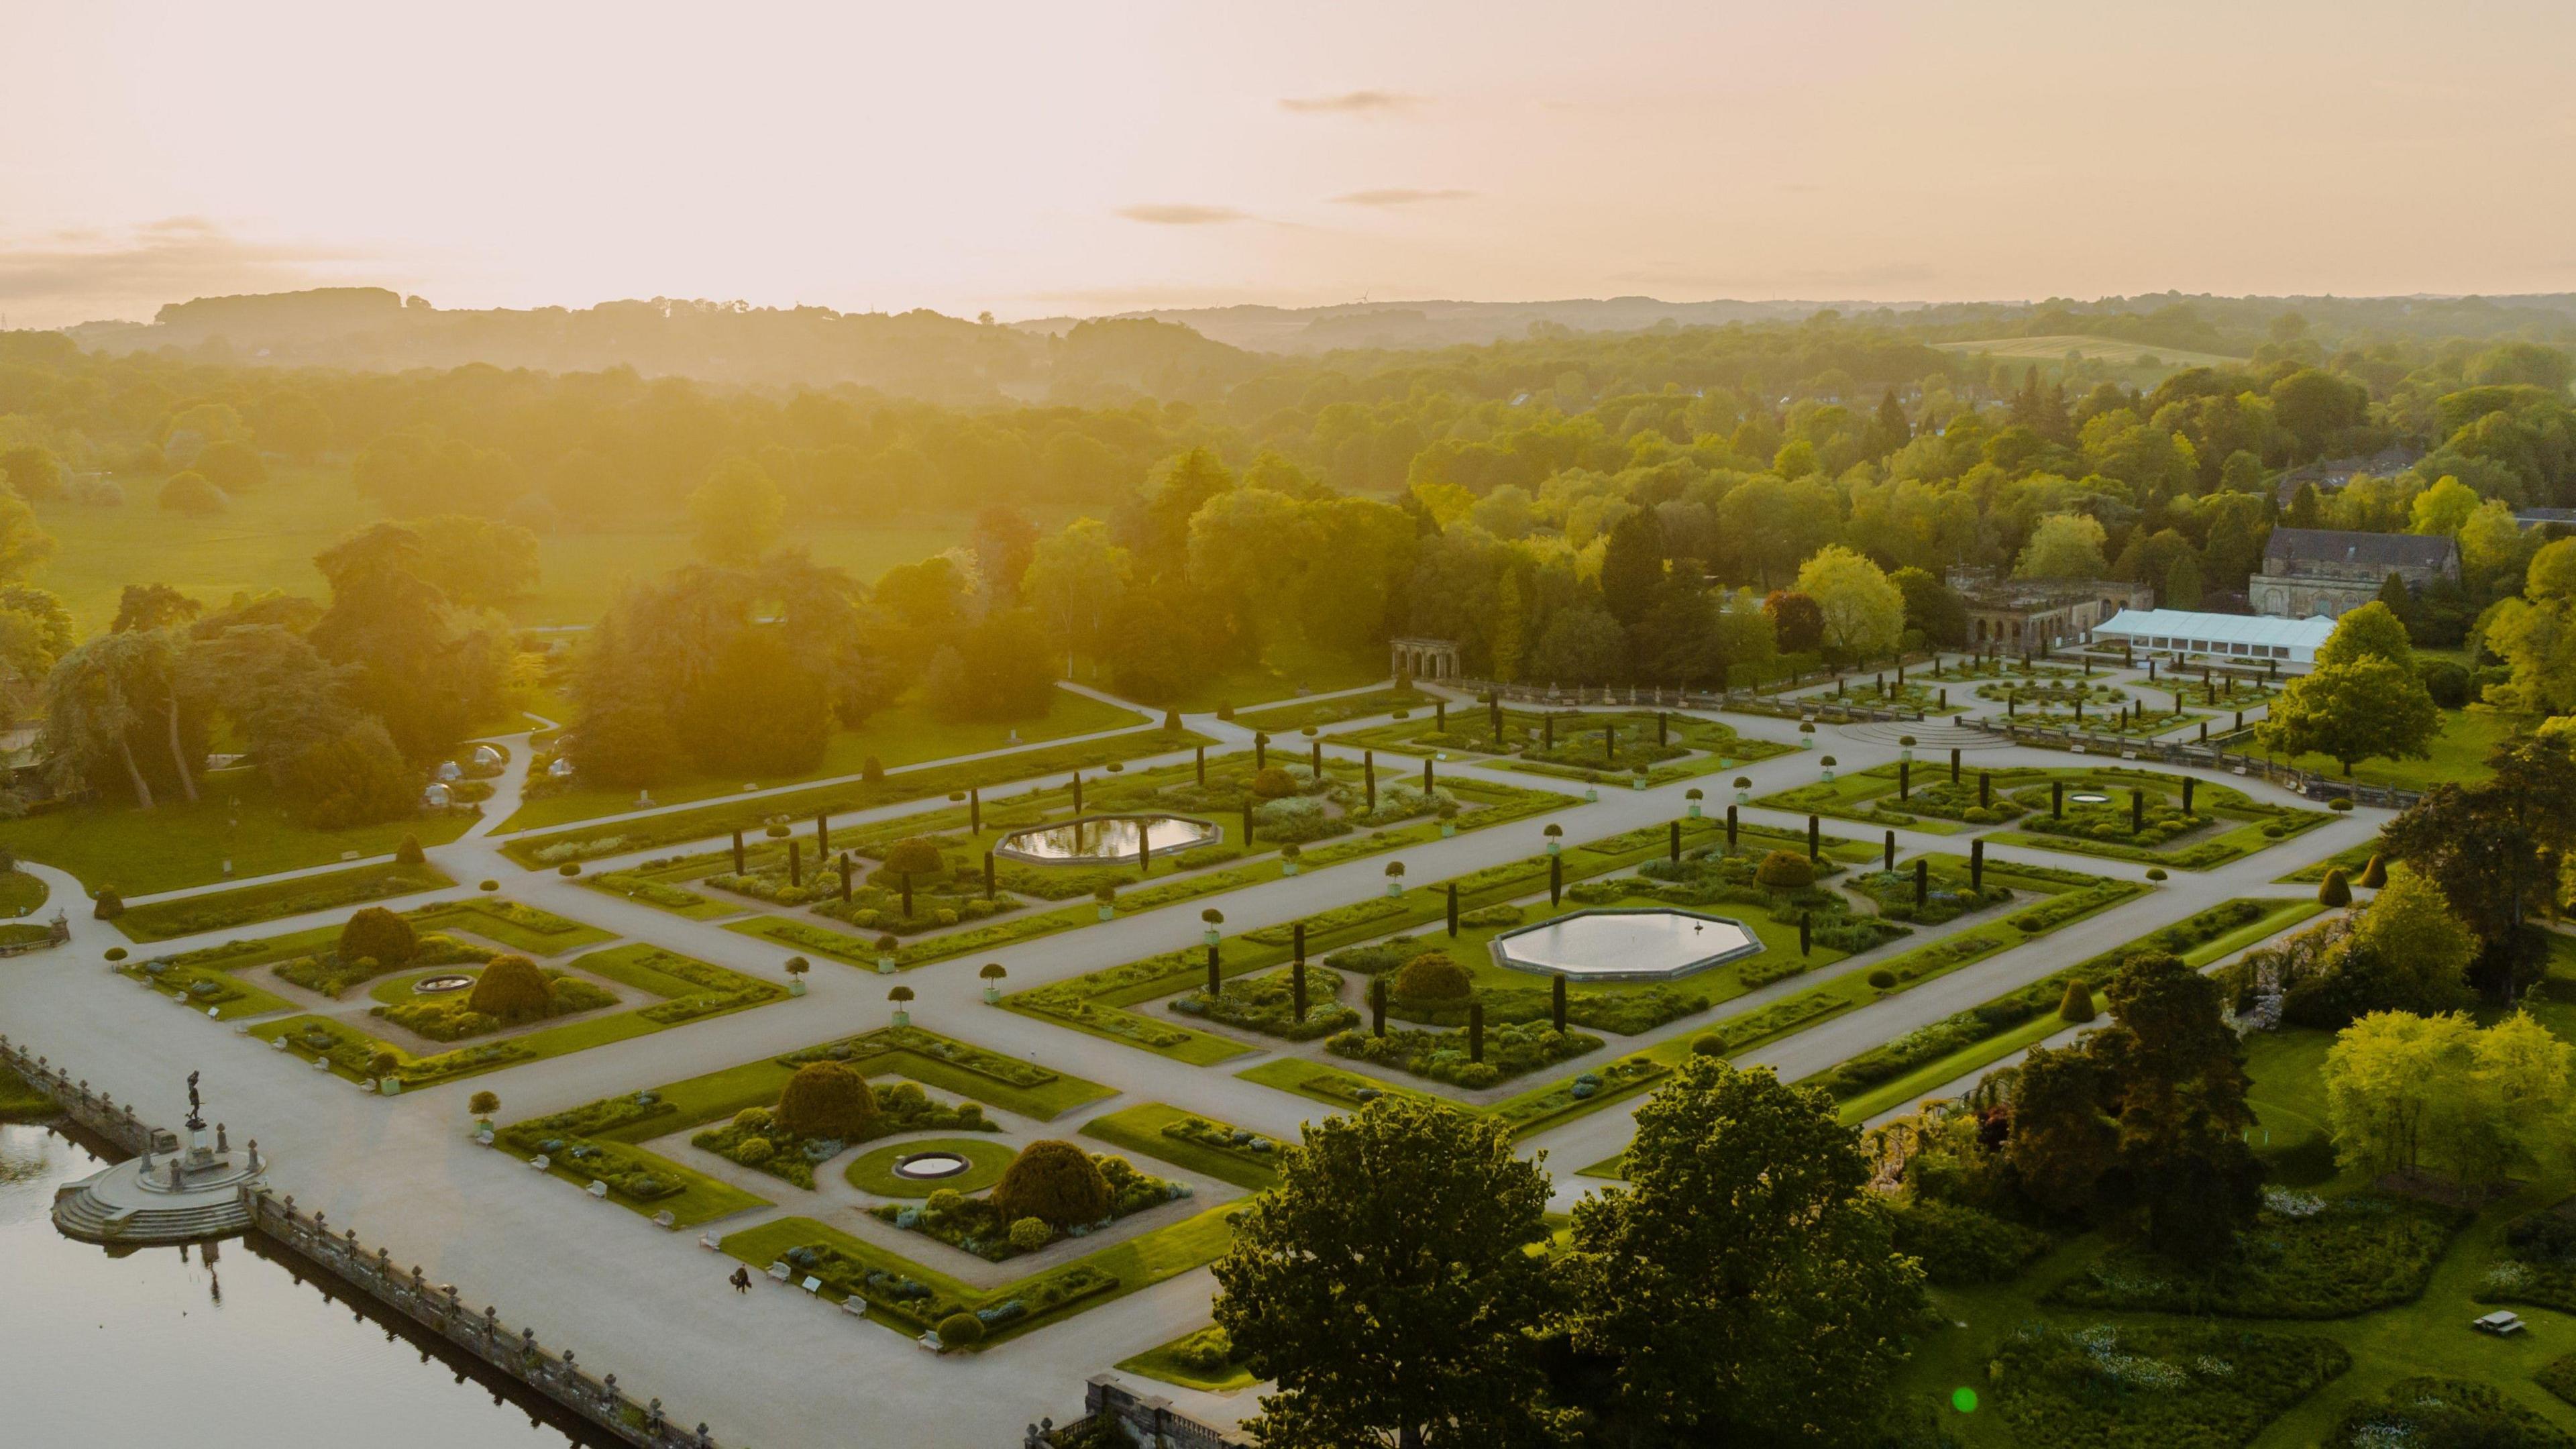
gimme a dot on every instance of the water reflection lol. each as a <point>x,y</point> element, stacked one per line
<point>1107,837</point>
<point>221,1347</point>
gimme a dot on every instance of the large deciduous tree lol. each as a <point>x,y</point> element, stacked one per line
<point>1861,612</point>
<point>2367,709</point>
<point>1387,1284</point>
<point>1745,1282</point>
<point>426,669</point>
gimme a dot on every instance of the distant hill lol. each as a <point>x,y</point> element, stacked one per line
<point>1415,325</point>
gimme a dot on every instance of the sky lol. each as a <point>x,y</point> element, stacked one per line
<point>1042,159</point>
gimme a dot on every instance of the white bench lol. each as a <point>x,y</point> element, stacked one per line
<point>666,1220</point>
<point>708,1242</point>
<point>598,1188</point>
<point>780,1272</point>
<point>541,1162</point>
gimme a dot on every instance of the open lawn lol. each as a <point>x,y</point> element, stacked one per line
<point>273,900</point>
<point>1166,1362</point>
<point>237,819</point>
<point>2053,349</point>
<point>268,537</point>
<point>903,734</point>
<point>2458,754</point>
<point>1286,666</point>
<point>20,893</point>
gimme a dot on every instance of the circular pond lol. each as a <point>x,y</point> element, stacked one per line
<point>1625,945</point>
<point>440,985</point>
<point>1098,839</point>
<point>2088,797</point>
<point>918,1169</point>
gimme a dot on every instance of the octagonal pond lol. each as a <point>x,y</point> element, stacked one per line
<point>1106,839</point>
<point>1645,944</point>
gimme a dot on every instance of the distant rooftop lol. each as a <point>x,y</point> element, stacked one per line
<point>2373,550</point>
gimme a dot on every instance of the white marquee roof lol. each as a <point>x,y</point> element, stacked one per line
<point>2219,628</point>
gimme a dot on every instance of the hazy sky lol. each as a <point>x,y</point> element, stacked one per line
<point>1050,158</point>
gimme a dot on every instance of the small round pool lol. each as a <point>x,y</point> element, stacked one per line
<point>2089,797</point>
<point>440,985</point>
<point>930,1166</point>
<point>1625,945</point>
<point>1096,839</point>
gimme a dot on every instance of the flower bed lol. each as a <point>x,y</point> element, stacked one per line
<point>2433,1413</point>
<point>2538,1262</point>
<point>753,1138</point>
<point>2101,1387</point>
<point>1510,1051</point>
<point>2316,1260</point>
<point>448,1018</point>
<point>974,1225</point>
<point>1267,1004</point>
<point>326,973</point>
<point>217,910</point>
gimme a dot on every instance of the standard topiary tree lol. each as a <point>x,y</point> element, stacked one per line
<point>901,996</point>
<point>1053,1180</point>
<point>1432,977</point>
<point>798,965</point>
<point>381,934</point>
<point>1784,870</point>
<point>382,1064</point>
<point>2375,874</point>
<point>911,857</point>
<point>512,989</point>
<point>483,1104</point>
<point>826,1099</point>
<point>961,1330</point>
<point>2077,1004</point>
<point>409,852</point>
<point>2335,892</point>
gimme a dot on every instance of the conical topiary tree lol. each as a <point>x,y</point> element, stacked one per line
<point>2334,892</point>
<point>2077,1005</point>
<point>511,988</point>
<point>409,852</point>
<point>2375,874</point>
<point>826,1099</point>
<point>1054,1181</point>
<point>379,933</point>
<point>109,905</point>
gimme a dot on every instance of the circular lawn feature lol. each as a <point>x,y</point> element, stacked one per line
<point>875,1172</point>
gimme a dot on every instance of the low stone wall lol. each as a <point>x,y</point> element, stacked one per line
<point>1148,1420</point>
<point>439,1309</point>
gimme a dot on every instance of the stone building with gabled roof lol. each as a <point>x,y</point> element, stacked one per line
<point>2326,572</point>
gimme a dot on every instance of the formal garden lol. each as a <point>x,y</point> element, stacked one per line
<point>251,904</point>
<point>1600,747</point>
<point>788,1117</point>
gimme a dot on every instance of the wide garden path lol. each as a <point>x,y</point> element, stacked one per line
<point>777,1369</point>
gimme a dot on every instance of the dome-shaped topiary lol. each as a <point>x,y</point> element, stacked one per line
<point>1708,1044</point>
<point>2375,874</point>
<point>1053,1180</point>
<point>961,1330</point>
<point>1784,870</point>
<point>381,934</point>
<point>511,988</point>
<point>109,905</point>
<point>1882,979</point>
<point>1273,783</point>
<point>826,1099</point>
<point>1030,1234</point>
<point>2335,891</point>
<point>915,856</point>
<point>1432,976</point>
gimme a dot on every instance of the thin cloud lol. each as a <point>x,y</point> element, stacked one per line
<point>1353,103</point>
<point>1183,215</point>
<point>1403,196</point>
<point>71,275</point>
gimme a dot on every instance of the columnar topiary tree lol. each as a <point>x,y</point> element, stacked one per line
<point>826,1099</point>
<point>909,858</point>
<point>511,988</point>
<point>379,933</point>
<point>1432,977</point>
<point>1053,1180</point>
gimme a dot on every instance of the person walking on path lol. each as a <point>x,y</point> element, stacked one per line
<point>741,1280</point>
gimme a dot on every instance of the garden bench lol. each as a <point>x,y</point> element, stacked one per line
<point>708,1242</point>
<point>666,1220</point>
<point>541,1162</point>
<point>598,1188</point>
<point>855,1306</point>
<point>780,1272</point>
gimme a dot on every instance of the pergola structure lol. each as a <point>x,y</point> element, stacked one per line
<point>1423,658</point>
